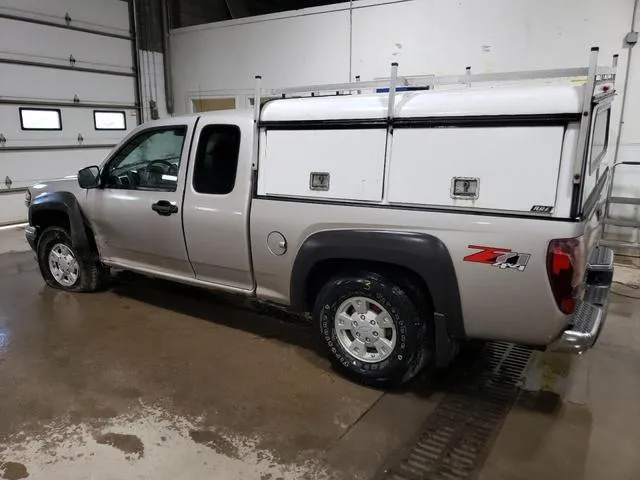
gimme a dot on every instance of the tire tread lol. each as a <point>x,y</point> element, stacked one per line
<point>406,297</point>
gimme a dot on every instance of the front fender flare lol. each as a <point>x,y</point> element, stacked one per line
<point>67,203</point>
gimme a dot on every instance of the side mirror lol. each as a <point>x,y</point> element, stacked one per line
<point>89,177</point>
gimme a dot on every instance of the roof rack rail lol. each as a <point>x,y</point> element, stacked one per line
<point>593,73</point>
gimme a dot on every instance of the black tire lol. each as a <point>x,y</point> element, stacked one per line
<point>91,273</point>
<point>413,323</point>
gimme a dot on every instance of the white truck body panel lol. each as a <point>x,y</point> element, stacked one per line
<point>516,167</point>
<point>523,99</point>
<point>354,159</point>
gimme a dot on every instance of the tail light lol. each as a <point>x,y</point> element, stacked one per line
<point>565,267</point>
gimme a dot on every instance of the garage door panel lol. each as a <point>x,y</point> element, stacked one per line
<point>75,121</point>
<point>13,208</point>
<point>54,45</point>
<point>18,81</point>
<point>110,16</point>
<point>37,39</point>
<point>28,168</point>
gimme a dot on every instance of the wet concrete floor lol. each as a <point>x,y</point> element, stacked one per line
<point>594,433</point>
<point>154,372</point>
<point>155,380</point>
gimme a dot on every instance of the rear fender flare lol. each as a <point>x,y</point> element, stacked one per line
<point>424,254</point>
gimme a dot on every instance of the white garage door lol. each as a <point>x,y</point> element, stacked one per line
<point>68,90</point>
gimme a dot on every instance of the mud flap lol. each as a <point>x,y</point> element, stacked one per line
<point>446,347</point>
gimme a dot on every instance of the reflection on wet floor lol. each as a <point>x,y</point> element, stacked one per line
<point>4,339</point>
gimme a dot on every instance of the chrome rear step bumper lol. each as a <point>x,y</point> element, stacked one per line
<point>591,312</point>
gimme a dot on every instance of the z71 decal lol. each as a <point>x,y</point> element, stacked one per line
<point>498,257</point>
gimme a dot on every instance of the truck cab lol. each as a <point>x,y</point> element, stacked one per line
<point>184,184</point>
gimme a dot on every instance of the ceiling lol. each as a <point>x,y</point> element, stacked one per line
<point>185,13</point>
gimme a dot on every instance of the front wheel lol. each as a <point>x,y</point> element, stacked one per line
<point>372,329</point>
<point>63,268</point>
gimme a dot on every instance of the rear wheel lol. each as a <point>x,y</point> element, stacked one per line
<point>371,328</point>
<point>63,268</point>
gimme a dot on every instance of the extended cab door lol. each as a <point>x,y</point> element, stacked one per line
<point>136,212</point>
<point>216,204</point>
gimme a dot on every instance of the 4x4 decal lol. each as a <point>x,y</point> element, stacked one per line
<point>498,257</point>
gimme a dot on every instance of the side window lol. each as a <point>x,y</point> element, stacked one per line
<point>599,138</point>
<point>217,159</point>
<point>150,161</point>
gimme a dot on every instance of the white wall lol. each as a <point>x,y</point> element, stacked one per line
<point>425,36</point>
<point>293,50</point>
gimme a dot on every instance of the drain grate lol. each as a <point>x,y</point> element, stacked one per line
<point>456,438</point>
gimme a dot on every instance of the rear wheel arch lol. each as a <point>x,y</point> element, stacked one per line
<point>416,260</point>
<point>324,270</point>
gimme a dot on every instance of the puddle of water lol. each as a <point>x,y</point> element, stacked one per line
<point>148,444</point>
<point>13,471</point>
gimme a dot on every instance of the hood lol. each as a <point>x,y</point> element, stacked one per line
<point>66,184</point>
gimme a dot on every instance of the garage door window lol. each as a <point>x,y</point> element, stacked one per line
<point>109,120</point>
<point>217,159</point>
<point>40,119</point>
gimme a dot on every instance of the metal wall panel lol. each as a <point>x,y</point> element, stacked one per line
<point>52,45</point>
<point>51,84</point>
<point>30,167</point>
<point>102,15</point>
<point>27,168</point>
<point>12,208</point>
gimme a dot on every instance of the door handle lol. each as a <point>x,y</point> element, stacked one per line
<point>164,208</point>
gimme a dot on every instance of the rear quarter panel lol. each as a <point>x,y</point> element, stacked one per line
<point>501,304</point>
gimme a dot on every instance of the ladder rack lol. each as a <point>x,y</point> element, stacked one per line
<point>593,74</point>
<point>433,81</point>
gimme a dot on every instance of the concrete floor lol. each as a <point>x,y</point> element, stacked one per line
<point>153,380</point>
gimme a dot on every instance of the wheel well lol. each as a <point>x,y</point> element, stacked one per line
<point>51,218</point>
<point>324,270</point>
<point>58,218</point>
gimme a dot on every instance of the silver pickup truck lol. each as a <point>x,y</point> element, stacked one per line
<point>405,227</point>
